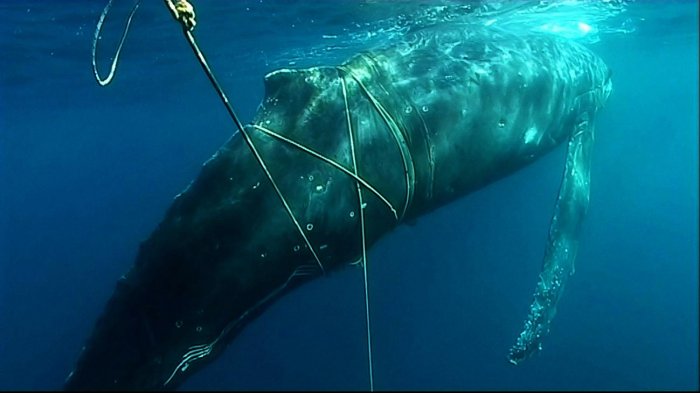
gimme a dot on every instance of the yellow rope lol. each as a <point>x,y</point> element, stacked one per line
<point>183,12</point>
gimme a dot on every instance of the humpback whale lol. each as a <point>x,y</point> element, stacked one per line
<point>350,152</point>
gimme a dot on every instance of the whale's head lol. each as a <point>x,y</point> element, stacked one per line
<point>224,249</point>
<point>226,246</point>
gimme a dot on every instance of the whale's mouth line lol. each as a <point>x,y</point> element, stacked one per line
<point>199,351</point>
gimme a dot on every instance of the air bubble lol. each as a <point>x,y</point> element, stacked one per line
<point>352,214</point>
<point>311,178</point>
<point>408,109</point>
<point>296,248</point>
<point>309,226</point>
<point>425,108</point>
<point>198,329</point>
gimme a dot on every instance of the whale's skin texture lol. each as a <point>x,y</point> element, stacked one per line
<point>465,106</point>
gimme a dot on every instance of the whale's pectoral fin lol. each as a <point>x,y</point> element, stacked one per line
<point>562,243</point>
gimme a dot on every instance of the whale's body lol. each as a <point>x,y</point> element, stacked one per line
<point>414,126</point>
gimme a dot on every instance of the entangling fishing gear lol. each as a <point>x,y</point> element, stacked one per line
<point>396,133</point>
<point>183,12</point>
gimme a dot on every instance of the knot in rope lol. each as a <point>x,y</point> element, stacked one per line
<point>183,12</point>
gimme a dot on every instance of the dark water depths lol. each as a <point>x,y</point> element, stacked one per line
<point>86,174</point>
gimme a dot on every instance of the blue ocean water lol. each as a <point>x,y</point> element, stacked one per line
<point>86,174</point>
